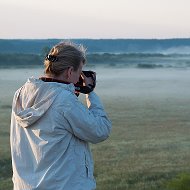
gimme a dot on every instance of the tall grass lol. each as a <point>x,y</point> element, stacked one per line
<point>180,182</point>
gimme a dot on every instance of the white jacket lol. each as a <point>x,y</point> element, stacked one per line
<point>50,131</point>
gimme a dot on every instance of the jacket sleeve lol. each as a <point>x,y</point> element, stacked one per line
<point>89,124</point>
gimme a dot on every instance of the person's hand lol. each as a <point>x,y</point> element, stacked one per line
<point>88,80</point>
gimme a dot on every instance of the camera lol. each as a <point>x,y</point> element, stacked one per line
<point>79,86</point>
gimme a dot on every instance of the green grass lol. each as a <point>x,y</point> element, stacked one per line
<point>181,182</point>
<point>149,145</point>
<point>5,174</point>
<point>5,160</point>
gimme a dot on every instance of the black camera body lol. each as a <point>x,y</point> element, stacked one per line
<point>80,88</point>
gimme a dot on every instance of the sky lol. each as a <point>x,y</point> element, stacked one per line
<point>97,19</point>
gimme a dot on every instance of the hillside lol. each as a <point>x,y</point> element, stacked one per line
<point>98,45</point>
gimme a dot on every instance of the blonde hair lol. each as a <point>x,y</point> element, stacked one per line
<point>65,55</point>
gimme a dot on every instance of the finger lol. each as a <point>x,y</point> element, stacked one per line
<point>83,75</point>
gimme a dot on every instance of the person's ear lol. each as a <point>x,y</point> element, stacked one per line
<point>69,72</point>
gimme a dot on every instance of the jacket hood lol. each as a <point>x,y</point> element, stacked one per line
<point>34,98</point>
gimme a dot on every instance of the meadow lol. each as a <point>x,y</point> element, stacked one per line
<point>150,140</point>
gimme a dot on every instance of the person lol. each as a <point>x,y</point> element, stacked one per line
<point>51,129</point>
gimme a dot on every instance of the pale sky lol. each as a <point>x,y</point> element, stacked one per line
<point>26,19</point>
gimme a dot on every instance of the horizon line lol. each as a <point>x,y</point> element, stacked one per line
<point>172,38</point>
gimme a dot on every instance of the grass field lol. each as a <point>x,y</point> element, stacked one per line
<point>149,145</point>
<point>150,140</point>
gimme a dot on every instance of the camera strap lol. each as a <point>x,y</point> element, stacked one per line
<point>46,79</point>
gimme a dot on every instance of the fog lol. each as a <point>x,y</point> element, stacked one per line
<point>114,82</point>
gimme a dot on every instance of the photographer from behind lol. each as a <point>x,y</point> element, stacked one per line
<point>51,129</point>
